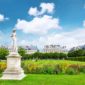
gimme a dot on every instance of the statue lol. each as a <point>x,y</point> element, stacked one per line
<point>13,70</point>
<point>14,44</point>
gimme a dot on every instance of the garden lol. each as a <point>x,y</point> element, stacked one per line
<point>49,72</point>
<point>47,68</point>
<point>50,67</point>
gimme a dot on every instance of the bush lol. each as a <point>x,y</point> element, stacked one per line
<point>76,53</point>
<point>3,53</point>
<point>39,55</point>
<point>62,68</point>
<point>30,68</point>
<point>34,68</point>
<point>82,69</point>
<point>21,51</point>
<point>2,67</point>
<point>82,58</point>
<point>72,69</point>
<point>62,56</point>
<point>48,69</point>
<point>58,69</point>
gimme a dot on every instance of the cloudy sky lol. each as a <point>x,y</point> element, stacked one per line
<point>42,22</point>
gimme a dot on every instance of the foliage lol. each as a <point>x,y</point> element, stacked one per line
<point>52,67</point>
<point>82,68</point>
<point>3,52</point>
<point>32,68</point>
<point>81,58</point>
<point>72,69</point>
<point>76,53</point>
<point>21,51</point>
<point>58,69</point>
<point>48,69</point>
<point>2,67</point>
<point>39,55</point>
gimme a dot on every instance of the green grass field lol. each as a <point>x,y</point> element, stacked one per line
<point>40,79</point>
<point>52,62</point>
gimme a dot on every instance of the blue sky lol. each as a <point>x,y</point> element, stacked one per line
<point>41,22</point>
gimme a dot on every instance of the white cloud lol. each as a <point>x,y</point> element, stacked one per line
<point>39,25</point>
<point>45,8</point>
<point>2,18</point>
<point>33,11</point>
<point>84,23</point>
<point>49,7</point>
<point>69,39</point>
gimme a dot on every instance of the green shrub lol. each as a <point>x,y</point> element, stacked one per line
<point>3,53</point>
<point>81,58</point>
<point>62,68</point>
<point>72,69</point>
<point>39,55</point>
<point>82,69</point>
<point>58,69</point>
<point>31,68</point>
<point>76,53</point>
<point>22,51</point>
<point>47,69</point>
<point>62,56</point>
<point>2,67</point>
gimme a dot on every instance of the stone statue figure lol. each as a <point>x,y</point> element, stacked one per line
<point>13,70</point>
<point>14,43</point>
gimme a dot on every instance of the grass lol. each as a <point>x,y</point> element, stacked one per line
<point>53,62</point>
<point>46,79</point>
<point>41,79</point>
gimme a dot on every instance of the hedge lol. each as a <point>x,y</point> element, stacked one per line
<point>39,55</point>
<point>82,58</point>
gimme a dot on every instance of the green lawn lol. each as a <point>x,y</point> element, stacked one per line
<point>40,79</point>
<point>52,62</point>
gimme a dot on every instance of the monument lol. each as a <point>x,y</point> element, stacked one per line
<point>13,70</point>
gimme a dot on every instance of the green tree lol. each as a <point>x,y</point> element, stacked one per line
<point>3,52</point>
<point>76,53</point>
<point>21,51</point>
<point>63,56</point>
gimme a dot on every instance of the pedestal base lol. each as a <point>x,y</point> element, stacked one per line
<point>13,70</point>
<point>13,74</point>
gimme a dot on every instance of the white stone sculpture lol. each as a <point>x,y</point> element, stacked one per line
<point>14,39</point>
<point>13,70</point>
<point>14,48</point>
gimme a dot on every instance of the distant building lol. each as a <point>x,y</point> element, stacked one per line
<point>31,49</point>
<point>54,48</point>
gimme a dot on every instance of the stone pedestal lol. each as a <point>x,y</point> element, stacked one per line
<point>13,70</point>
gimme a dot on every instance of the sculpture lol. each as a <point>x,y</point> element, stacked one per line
<point>14,44</point>
<point>13,70</point>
